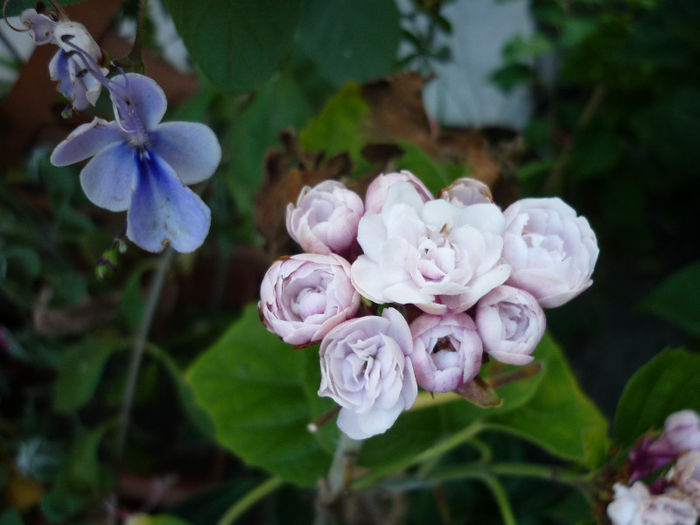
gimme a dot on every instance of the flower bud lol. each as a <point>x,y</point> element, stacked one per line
<point>325,218</point>
<point>39,26</point>
<point>511,324</point>
<point>378,189</point>
<point>303,296</point>
<point>682,431</point>
<point>446,351</point>
<point>466,191</point>
<point>365,370</point>
<point>552,252</point>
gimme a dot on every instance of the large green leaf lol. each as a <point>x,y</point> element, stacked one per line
<point>559,418</point>
<point>419,429</point>
<point>677,299</point>
<point>350,39</point>
<point>666,384</point>
<point>254,386</point>
<point>237,43</point>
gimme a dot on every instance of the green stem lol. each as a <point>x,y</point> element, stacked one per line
<point>434,451</point>
<point>338,478</point>
<point>137,352</point>
<point>250,499</point>
<point>499,494</point>
<point>527,470</point>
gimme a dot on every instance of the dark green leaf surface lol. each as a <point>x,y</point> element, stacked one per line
<point>79,373</point>
<point>666,384</point>
<point>254,387</point>
<point>239,43</point>
<point>677,299</point>
<point>350,39</point>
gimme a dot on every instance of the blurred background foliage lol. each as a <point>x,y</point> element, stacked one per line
<point>300,91</point>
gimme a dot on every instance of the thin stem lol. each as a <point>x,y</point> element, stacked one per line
<point>250,499</point>
<point>528,470</point>
<point>137,354</point>
<point>134,57</point>
<point>499,494</point>
<point>338,478</point>
<point>436,450</point>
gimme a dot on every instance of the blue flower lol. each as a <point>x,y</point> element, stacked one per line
<point>141,166</point>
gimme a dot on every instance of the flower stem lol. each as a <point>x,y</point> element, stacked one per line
<point>137,352</point>
<point>250,499</point>
<point>338,478</point>
<point>499,494</point>
<point>436,450</point>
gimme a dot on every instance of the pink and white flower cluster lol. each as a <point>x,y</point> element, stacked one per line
<point>674,498</point>
<point>478,278</point>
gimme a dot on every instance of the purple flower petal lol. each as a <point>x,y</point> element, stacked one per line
<point>108,180</point>
<point>163,211</point>
<point>190,148</point>
<point>145,98</point>
<point>85,141</point>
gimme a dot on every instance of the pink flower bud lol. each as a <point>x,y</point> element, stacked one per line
<point>303,296</point>
<point>511,324</point>
<point>325,218</point>
<point>365,370</point>
<point>681,433</point>
<point>446,351</point>
<point>466,191</point>
<point>552,252</point>
<point>379,188</point>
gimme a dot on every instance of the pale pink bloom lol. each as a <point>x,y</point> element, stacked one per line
<point>365,369</point>
<point>378,189</point>
<point>303,296</point>
<point>552,252</point>
<point>446,351</point>
<point>433,254</point>
<point>325,217</point>
<point>681,433</point>
<point>511,324</point>
<point>635,505</point>
<point>685,475</point>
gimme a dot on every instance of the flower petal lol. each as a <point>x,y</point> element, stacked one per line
<point>190,148</point>
<point>85,141</point>
<point>163,211</point>
<point>109,178</point>
<point>145,97</point>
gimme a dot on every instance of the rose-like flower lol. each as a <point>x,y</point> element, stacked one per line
<point>325,218</point>
<point>681,433</point>
<point>466,191</point>
<point>365,369</point>
<point>552,251</point>
<point>511,323</point>
<point>686,477</point>
<point>636,506</point>
<point>378,189</point>
<point>433,254</point>
<point>446,351</point>
<point>303,296</point>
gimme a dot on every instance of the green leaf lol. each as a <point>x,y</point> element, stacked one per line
<point>237,43</point>
<point>196,414</point>
<point>280,103</point>
<point>677,299</point>
<point>559,418</point>
<point>666,384</point>
<point>418,429</point>
<point>254,386</point>
<point>84,463</point>
<point>338,127</point>
<point>435,175</point>
<point>79,373</point>
<point>350,39</point>
<point>159,519</point>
